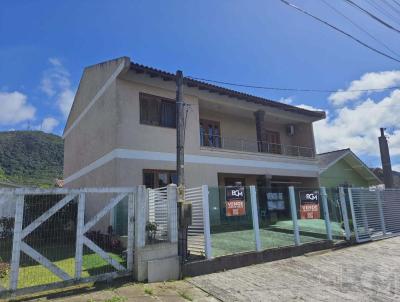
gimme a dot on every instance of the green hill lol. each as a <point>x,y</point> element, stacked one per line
<point>32,158</point>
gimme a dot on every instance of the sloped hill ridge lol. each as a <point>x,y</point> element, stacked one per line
<point>31,158</point>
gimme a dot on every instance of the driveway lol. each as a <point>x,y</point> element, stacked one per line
<point>367,272</point>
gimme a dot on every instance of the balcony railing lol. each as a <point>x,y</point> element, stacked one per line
<point>244,145</point>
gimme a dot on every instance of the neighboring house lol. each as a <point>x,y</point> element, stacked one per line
<point>396,176</point>
<point>121,132</point>
<point>344,168</point>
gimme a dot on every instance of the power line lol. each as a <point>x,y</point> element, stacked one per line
<point>360,28</point>
<point>382,10</point>
<point>341,31</point>
<point>372,15</point>
<point>290,89</point>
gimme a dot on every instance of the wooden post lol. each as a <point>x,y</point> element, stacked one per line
<point>80,224</point>
<point>16,249</point>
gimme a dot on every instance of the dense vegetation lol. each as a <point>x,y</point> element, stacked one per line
<point>32,158</point>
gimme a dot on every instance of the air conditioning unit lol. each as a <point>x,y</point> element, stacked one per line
<point>290,130</point>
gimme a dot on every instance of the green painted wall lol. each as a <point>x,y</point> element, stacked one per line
<point>341,173</point>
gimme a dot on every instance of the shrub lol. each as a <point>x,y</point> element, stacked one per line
<point>4,269</point>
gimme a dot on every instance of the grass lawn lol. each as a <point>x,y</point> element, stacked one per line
<point>310,225</point>
<point>64,257</point>
<point>243,241</point>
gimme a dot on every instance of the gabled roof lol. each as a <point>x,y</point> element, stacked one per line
<point>328,159</point>
<point>167,76</point>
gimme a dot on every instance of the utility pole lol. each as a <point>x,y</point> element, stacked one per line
<point>180,124</point>
<point>180,169</point>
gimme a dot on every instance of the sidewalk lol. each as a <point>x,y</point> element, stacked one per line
<point>179,291</point>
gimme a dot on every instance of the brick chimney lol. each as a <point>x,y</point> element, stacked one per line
<point>385,158</point>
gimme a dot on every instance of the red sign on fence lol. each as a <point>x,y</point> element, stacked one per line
<point>235,201</point>
<point>309,205</point>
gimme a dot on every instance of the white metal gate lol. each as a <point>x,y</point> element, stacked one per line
<point>83,225</point>
<point>375,213</point>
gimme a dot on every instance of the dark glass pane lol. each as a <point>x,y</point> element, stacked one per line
<point>168,114</point>
<point>148,179</point>
<point>162,179</point>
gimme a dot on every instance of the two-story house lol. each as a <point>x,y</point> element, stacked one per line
<point>121,132</point>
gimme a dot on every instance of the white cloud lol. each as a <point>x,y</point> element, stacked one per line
<point>372,80</point>
<point>358,127</point>
<point>396,167</point>
<point>308,107</point>
<point>48,124</point>
<point>14,108</point>
<point>65,100</point>
<point>56,83</point>
<point>288,100</point>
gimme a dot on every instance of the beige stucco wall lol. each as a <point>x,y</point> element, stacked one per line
<point>114,122</point>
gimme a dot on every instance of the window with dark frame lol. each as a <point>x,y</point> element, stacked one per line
<point>159,178</point>
<point>157,111</point>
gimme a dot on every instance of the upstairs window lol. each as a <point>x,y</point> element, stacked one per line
<point>157,111</point>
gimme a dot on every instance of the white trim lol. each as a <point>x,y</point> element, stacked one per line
<point>189,158</point>
<point>95,98</point>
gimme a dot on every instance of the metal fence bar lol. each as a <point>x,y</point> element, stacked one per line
<point>254,212</point>
<point>382,217</point>
<point>293,210</point>
<point>342,198</point>
<point>16,249</point>
<point>353,214</point>
<point>79,236</point>
<point>206,221</point>
<point>328,226</point>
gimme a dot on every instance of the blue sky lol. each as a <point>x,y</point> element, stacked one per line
<point>45,45</point>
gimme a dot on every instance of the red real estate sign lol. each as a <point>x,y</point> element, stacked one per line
<point>309,205</point>
<point>235,201</point>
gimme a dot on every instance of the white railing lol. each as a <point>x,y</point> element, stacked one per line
<point>158,212</point>
<point>244,145</point>
<point>375,213</point>
<point>199,238</point>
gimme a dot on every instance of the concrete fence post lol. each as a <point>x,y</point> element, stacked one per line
<point>140,217</point>
<point>343,205</point>
<point>206,222</point>
<point>172,200</point>
<point>254,212</point>
<point>353,215</point>
<point>324,198</point>
<point>293,210</point>
<point>131,230</point>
